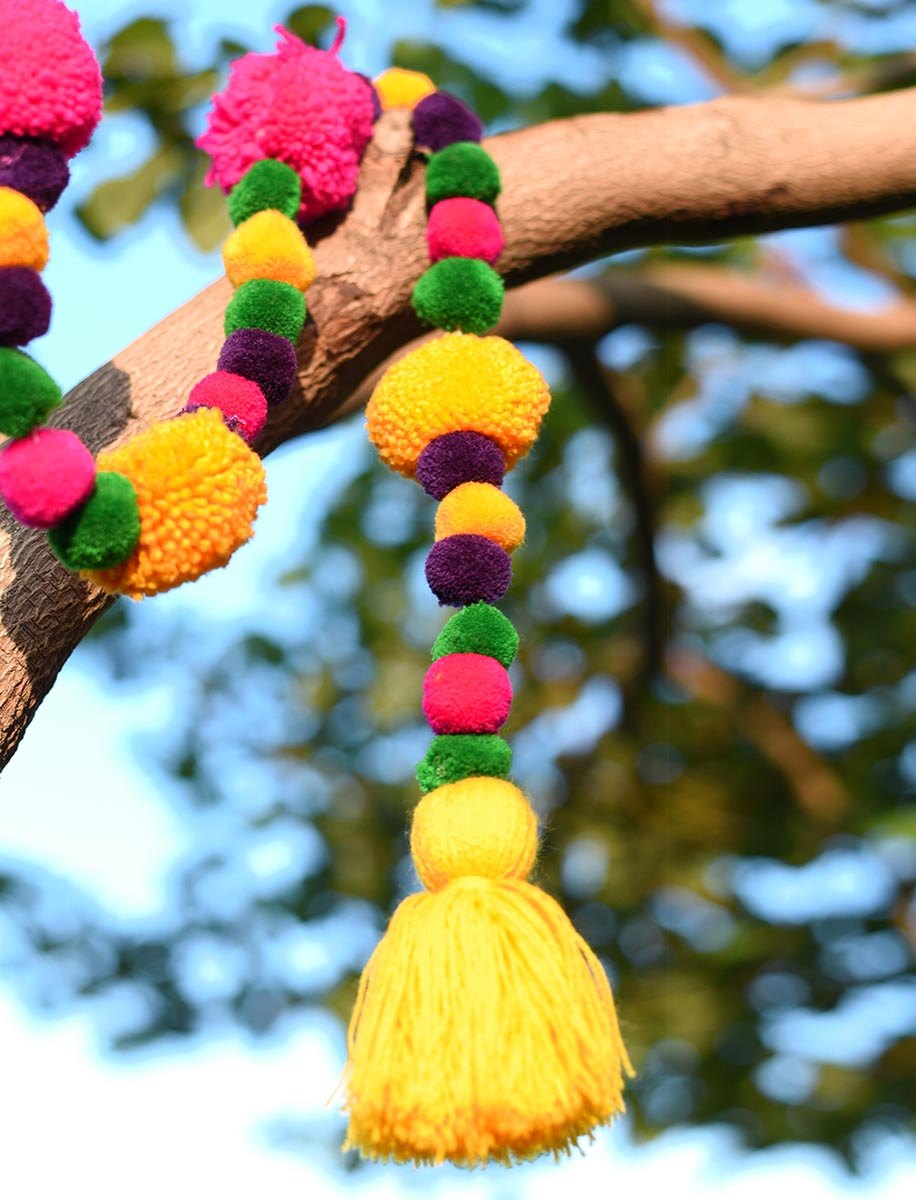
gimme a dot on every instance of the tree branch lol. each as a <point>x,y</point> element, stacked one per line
<point>573,190</point>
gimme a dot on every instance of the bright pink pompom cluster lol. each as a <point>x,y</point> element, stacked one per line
<point>50,86</point>
<point>298,105</point>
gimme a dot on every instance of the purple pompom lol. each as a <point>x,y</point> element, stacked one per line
<point>37,169</point>
<point>467,567</point>
<point>441,119</point>
<point>266,358</point>
<point>456,458</point>
<point>25,306</point>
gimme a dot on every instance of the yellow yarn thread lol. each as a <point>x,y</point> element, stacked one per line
<point>23,233</point>
<point>457,382</point>
<point>477,826</point>
<point>399,88</point>
<point>269,246</point>
<point>483,509</point>
<point>484,1028</point>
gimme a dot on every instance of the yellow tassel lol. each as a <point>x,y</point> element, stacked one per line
<point>484,1029</point>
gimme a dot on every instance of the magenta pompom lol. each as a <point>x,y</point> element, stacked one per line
<point>45,476</point>
<point>50,86</point>
<point>240,400</point>
<point>466,693</point>
<point>299,105</point>
<point>464,228</point>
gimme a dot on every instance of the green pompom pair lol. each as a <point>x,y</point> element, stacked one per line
<point>459,293</point>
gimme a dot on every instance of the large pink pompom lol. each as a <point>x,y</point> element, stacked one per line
<point>50,85</point>
<point>298,105</point>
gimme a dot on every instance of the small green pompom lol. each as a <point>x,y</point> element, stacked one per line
<point>104,531</point>
<point>267,184</point>
<point>478,629</point>
<point>462,169</point>
<point>267,304</point>
<point>459,293</point>
<point>454,756</point>
<point>27,393</point>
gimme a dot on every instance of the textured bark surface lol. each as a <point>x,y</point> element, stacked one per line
<point>572,190</point>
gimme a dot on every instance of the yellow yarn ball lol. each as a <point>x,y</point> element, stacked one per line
<point>199,487</point>
<point>477,826</point>
<point>458,382</point>
<point>400,88</point>
<point>483,509</point>
<point>269,246</point>
<point>23,233</point>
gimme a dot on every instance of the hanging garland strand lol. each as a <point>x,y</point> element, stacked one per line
<point>484,1028</point>
<point>178,499</point>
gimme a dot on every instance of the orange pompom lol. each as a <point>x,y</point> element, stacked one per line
<point>269,246</point>
<point>400,88</point>
<point>23,233</point>
<point>458,382</point>
<point>198,488</point>
<point>483,509</point>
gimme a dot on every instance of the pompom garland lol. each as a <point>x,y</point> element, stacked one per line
<point>268,245</point>
<point>484,1028</point>
<point>50,85</point>
<point>441,119</point>
<point>298,105</point>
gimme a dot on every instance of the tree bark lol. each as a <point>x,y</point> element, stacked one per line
<point>573,190</point>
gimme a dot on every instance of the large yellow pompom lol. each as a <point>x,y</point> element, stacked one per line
<point>23,233</point>
<point>483,509</point>
<point>458,382</point>
<point>400,88</point>
<point>269,246</point>
<point>478,826</point>
<point>199,487</point>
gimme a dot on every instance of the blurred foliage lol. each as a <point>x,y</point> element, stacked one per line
<point>734,835</point>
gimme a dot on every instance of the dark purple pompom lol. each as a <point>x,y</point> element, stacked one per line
<point>25,306</point>
<point>266,358</point>
<point>456,458</point>
<point>37,169</point>
<point>441,119</point>
<point>465,568</point>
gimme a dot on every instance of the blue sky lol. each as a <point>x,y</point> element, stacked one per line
<point>197,1118</point>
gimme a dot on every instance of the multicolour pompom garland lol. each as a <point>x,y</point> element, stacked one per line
<point>286,139</point>
<point>484,1027</point>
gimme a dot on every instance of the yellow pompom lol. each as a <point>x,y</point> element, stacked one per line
<point>457,382</point>
<point>477,826</point>
<point>23,233</point>
<point>199,487</point>
<point>269,246</point>
<point>484,1030</point>
<point>400,88</point>
<point>483,509</point>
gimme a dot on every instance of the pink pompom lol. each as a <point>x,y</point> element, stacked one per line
<point>50,85</point>
<point>464,228</point>
<point>240,400</point>
<point>45,476</point>
<point>299,105</point>
<point>466,693</point>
